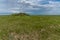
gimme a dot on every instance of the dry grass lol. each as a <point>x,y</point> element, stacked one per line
<point>23,36</point>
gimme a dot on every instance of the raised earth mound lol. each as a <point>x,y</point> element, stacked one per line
<point>20,14</point>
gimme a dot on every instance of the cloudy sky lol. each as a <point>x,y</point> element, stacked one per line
<point>46,7</point>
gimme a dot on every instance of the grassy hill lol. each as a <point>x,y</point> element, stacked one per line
<point>29,27</point>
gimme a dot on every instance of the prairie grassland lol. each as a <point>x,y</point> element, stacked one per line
<point>29,27</point>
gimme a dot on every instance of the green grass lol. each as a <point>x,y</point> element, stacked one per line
<point>29,27</point>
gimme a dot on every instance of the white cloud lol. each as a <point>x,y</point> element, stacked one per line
<point>55,8</point>
<point>14,11</point>
<point>37,5</point>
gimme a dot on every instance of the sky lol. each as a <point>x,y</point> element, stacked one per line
<point>45,7</point>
